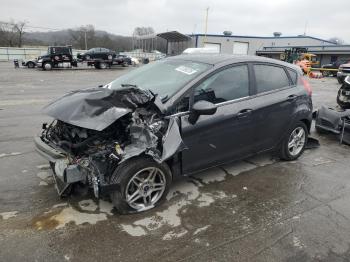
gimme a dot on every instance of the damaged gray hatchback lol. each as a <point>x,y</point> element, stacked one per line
<point>130,138</point>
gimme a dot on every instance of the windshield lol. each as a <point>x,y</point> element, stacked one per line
<point>164,77</point>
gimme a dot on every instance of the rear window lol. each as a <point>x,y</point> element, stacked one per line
<point>269,77</point>
<point>293,76</point>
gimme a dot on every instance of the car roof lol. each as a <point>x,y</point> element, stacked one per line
<point>216,59</point>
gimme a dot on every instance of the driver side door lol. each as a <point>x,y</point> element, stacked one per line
<point>227,134</point>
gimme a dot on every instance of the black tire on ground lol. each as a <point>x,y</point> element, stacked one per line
<point>97,65</point>
<point>30,65</point>
<point>123,175</point>
<point>103,65</point>
<point>284,152</point>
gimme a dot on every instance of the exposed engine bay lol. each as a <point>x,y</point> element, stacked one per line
<point>90,155</point>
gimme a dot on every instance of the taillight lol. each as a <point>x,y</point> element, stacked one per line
<point>306,85</point>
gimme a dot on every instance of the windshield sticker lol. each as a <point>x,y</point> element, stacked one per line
<point>186,70</point>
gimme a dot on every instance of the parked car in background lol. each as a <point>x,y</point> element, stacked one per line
<point>97,53</point>
<point>343,71</point>
<point>30,63</point>
<point>173,117</point>
<point>333,65</point>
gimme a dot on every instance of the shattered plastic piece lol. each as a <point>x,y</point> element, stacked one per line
<point>172,140</point>
<point>312,143</point>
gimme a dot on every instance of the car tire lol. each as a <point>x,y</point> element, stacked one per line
<point>290,150</point>
<point>137,171</point>
<point>103,65</point>
<point>30,65</point>
<point>47,66</point>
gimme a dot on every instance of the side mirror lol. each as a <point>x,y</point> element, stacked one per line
<point>201,108</point>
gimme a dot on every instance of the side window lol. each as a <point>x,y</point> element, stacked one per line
<point>293,75</point>
<point>228,84</point>
<point>269,77</point>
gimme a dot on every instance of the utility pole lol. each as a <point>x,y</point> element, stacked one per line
<point>85,40</point>
<point>305,27</point>
<point>206,24</point>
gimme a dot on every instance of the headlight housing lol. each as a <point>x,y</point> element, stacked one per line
<point>40,60</point>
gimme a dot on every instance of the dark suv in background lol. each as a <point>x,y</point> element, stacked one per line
<point>174,117</point>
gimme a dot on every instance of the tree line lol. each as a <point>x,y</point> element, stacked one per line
<point>16,34</point>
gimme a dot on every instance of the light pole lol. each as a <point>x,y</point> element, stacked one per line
<point>206,25</point>
<point>85,40</point>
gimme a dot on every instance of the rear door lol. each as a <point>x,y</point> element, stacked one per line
<point>227,134</point>
<point>274,104</point>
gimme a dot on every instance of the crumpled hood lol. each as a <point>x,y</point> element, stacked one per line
<point>97,108</point>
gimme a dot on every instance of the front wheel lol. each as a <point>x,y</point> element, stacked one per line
<point>143,185</point>
<point>293,145</point>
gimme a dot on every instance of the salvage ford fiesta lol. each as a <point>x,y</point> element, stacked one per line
<point>130,138</point>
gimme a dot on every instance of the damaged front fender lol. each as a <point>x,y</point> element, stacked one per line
<point>95,130</point>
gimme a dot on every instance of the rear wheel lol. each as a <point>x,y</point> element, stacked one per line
<point>143,185</point>
<point>31,65</point>
<point>294,143</point>
<point>103,65</point>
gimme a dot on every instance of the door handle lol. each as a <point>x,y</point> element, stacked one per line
<point>291,98</point>
<point>244,113</point>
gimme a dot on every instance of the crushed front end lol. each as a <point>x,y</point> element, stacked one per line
<point>90,138</point>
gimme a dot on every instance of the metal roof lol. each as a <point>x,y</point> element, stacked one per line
<point>266,37</point>
<point>174,36</point>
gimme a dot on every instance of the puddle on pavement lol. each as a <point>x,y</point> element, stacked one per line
<point>64,214</point>
<point>8,215</point>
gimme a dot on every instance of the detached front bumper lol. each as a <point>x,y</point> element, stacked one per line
<point>46,151</point>
<point>65,171</point>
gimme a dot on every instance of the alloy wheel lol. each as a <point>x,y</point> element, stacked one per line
<point>145,188</point>
<point>296,141</point>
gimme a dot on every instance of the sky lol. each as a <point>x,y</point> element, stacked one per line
<point>322,18</point>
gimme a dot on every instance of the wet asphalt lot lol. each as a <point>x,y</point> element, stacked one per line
<point>254,210</point>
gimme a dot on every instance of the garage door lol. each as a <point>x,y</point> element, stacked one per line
<point>213,46</point>
<point>240,48</point>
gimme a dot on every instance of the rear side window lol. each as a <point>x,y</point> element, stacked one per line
<point>228,84</point>
<point>293,76</point>
<point>269,77</point>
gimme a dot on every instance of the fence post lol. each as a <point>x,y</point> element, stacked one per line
<point>8,56</point>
